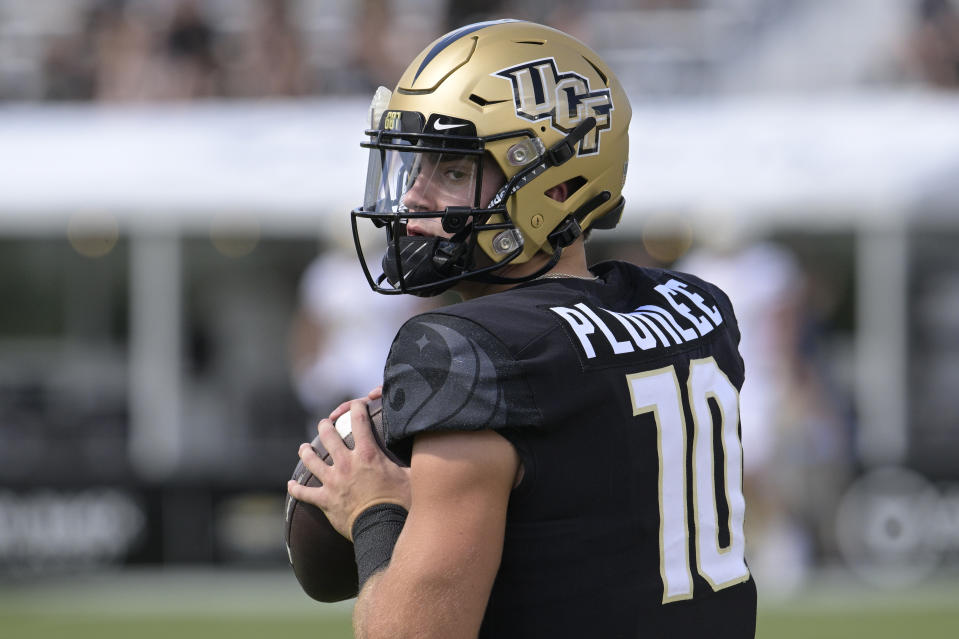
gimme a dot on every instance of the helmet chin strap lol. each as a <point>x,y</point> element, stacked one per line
<point>562,236</point>
<point>566,231</point>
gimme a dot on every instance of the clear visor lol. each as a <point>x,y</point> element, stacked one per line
<point>404,181</point>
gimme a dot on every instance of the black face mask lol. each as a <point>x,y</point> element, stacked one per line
<point>422,261</point>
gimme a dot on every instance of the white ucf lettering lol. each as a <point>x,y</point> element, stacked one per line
<point>540,91</point>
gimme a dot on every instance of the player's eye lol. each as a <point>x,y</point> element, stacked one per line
<point>455,170</point>
<point>454,174</point>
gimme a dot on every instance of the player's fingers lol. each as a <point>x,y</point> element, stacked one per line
<point>332,441</point>
<point>295,489</point>
<point>362,429</point>
<point>344,408</point>
<point>309,495</point>
<point>312,461</point>
<point>340,410</point>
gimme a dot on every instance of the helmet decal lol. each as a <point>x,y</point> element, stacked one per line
<point>452,37</point>
<point>540,91</point>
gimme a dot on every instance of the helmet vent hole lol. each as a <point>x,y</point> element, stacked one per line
<point>572,185</point>
<point>575,184</point>
<point>536,42</point>
<point>483,101</point>
<point>597,70</point>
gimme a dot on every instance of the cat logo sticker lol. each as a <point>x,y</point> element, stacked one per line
<point>540,91</point>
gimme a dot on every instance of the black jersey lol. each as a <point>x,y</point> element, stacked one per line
<point>621,396</point>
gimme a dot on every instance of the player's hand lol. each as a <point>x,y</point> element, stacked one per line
<point>358,478</point>
<point>376,393</point>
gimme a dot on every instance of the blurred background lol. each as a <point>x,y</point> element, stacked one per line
<point>179,298</point>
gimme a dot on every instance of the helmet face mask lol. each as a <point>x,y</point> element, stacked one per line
<point>465,151</point>
<point>432,193</point>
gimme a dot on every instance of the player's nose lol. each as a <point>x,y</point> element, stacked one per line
<point>416,198</point>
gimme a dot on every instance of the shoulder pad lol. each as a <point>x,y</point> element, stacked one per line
<point>450,373</point>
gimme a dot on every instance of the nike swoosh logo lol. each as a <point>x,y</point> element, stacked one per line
<point>439,126</point>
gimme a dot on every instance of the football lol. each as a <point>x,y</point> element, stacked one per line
<point>322,559</point>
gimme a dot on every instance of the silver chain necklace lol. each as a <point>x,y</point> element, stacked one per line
<point>559,276</point>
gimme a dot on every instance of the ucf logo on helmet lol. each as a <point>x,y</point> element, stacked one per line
<point>540,92</point>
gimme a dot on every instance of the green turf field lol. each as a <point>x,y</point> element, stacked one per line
<point>240,605</point>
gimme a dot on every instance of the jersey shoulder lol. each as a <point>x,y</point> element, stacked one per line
<point>642,317</point>
<point>448,370</point>
<point>653,283</point>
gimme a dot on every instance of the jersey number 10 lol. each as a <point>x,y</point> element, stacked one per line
<point>659,392</point>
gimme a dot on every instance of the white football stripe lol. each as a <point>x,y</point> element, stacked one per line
<point>343,425</point>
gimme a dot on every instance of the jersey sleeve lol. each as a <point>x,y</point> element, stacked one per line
<point>448,373</point>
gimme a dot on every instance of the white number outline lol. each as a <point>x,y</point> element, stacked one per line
<point>659,392</point>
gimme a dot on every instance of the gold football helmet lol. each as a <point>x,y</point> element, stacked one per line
<point>532,107</point>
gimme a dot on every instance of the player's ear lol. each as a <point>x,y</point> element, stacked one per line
<point>562,191</point>
<point>559,192</point>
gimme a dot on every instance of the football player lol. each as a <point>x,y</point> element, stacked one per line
<point>572,432</point>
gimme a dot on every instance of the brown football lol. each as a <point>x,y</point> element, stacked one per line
<point>322,558</point>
